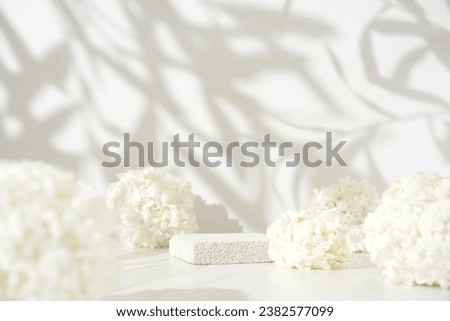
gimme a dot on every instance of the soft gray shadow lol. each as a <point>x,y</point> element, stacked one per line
<point>360,261</point>
<point>199,294</point>
<point>21,88</point>
<point>216,68</point>
<point>435,42</point>
<point>213,218</point>
<point>211,61</point>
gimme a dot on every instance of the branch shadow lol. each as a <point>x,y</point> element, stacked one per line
<point>435,42</point>
<point>215,69</point>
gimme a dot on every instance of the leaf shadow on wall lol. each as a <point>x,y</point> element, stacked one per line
<point>434,42</point>
<point>209,60</point>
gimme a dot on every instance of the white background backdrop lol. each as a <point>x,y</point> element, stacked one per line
<point>76,74</point>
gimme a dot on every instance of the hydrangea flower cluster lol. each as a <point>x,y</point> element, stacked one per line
<point>408,235</point>
<point>56,242</point>
<point>352,200</point>
<point>327,230</point>
<point>306,240</point>
<point>150,207</point>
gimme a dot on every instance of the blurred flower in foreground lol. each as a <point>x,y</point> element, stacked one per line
<point>150,207</point>
<point>408,235</point>
<point>56,242</point>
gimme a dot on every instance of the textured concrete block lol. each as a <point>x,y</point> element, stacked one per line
<point>226,248</point>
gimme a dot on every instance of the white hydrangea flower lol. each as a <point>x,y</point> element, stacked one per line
<point>352,200</point>
<point>56,242</point>
<point>309,240</point>
<point>408,235</point>
<point>150,207</point>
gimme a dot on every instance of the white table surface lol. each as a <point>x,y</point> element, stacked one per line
<point>156,275</point>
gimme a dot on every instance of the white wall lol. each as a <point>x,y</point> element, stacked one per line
<point>76,74</point>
